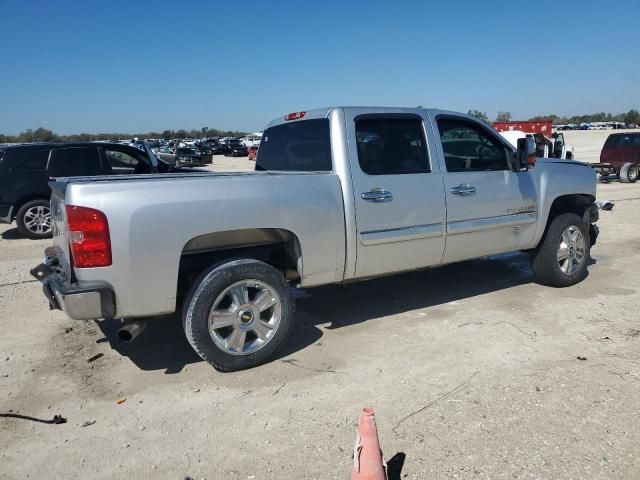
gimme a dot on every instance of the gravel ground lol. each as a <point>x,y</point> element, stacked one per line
<point>473,371</point>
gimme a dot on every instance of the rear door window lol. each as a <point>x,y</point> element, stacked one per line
<point>302,146</point>
<point>391,146</point>
<point>75,161</point>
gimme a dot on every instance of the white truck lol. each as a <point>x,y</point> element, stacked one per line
<point>339,195</point>
<point>554,147</point>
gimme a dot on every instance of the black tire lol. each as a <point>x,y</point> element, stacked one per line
<point>545,264</point>
<point>23,222</point>
<point>200,299</point>
<point>629,173</point>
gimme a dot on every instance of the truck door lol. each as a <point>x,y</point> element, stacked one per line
<point>398,190</point>
<point>491,208</point>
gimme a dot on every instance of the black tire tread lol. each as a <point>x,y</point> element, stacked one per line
<point>20,219</point>
<point>202,294</point>
<point>544,262</point>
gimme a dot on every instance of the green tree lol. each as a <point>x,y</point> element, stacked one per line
<point>479,115</point>
<point>632,117</point>
<point>44,135</point>
<point>503,117</point>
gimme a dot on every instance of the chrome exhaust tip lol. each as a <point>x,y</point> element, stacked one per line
<point>129,332</point>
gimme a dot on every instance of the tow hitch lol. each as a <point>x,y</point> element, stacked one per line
<point>42,272</point>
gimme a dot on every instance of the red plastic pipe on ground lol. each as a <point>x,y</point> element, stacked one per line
<point>367,455</point>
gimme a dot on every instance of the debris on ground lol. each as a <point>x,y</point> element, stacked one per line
<point>120,401</point>
<point>95,357</point>
<point>605,205</point>
<point>580,357</point>
<point>57,419</point>
<point>88,423</point>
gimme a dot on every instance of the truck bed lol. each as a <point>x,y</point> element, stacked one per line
<point>152,218</point>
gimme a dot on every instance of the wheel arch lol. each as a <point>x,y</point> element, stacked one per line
<point>278,247</point>
<point>570,203</point>
<point>27,198</point>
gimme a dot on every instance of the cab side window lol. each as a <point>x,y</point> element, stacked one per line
<point>468,147</point>
<point>391,146</point>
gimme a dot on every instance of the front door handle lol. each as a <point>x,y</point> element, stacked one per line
<point>377,196</point>
<point>463,190</point>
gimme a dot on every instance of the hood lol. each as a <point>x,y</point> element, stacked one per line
<point>548,161</point>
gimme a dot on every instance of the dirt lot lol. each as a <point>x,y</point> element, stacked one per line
<point>472,370</point>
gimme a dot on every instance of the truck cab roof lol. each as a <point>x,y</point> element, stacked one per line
<point>324,113</point>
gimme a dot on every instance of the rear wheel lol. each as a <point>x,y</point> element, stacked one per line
<point>34,219</point>
<point>561,258</point>
<point>238,314</point>
<point>629,173</point>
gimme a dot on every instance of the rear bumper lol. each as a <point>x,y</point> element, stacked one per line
<point>78,302</point>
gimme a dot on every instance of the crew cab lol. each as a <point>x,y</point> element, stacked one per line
<point>339,195</point>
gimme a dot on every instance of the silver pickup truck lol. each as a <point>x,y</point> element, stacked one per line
<point>338,195</point>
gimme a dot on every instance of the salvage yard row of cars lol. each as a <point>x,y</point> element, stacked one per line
<point>195,154</point>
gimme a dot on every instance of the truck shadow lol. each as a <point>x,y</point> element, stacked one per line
<point>163,346</point>
<point>12,234</point>
<point>341,306</point>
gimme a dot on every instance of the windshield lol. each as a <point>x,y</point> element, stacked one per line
<point>302,146</point>
<point>613,141</point>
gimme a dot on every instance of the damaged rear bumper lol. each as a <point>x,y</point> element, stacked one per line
<point>79,302</point>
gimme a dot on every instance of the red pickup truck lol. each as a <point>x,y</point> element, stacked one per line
<point>620,155</point>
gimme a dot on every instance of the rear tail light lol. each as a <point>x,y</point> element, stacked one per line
<point>88,237</point>
<point>294,116</point>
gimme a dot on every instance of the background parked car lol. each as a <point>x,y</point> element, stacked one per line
<point>190,157</point>
<point>234,148</point>
<point>25,171</point>
<point>166,154</point>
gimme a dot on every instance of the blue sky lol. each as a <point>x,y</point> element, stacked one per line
<point>83,66</point>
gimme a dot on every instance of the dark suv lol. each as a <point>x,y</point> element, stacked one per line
<point>25,171</point>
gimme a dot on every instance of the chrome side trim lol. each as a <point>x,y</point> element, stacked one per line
<point>479,224</point>
<point>416,232</point>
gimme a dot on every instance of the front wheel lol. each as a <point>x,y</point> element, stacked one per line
<point>238,314</point>
<point>562,256</point>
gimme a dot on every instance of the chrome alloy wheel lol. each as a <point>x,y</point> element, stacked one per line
<point>245,317</point>
<point>572,250</point>
<point>38,220</point>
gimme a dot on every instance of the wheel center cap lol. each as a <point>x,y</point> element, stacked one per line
<point>246,316</point>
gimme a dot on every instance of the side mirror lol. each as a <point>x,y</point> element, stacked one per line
<point>526,153</point>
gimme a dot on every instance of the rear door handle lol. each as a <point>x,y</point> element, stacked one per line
<point>463,190</point>
<point>377,196</point>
